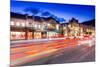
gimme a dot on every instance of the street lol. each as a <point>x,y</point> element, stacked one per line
<point>52,52</point>
<point>73,55</point>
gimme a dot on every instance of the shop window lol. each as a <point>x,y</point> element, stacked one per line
<point>37,35</point>
<point>17,35</point>
<point>52,34</point>
<point>30,35</point>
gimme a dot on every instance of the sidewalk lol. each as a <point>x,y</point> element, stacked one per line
<point>35,40</point>
<point>17,43</point>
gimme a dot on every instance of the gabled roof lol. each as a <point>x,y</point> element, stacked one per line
<point>73,20</point>
<point>36,18</point>
<point>16,15</point>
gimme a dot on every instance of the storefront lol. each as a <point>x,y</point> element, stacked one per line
<point>15,35</point>
<point>29,35</point>
<point>52,34</point>
<point>37,35</point>
<point>20,35</point>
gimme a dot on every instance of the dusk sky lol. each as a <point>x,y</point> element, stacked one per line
<point>66,11</point>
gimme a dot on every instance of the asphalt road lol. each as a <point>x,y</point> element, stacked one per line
<point>68,55</point>
<point>51,52</point>
<point>73,55</point>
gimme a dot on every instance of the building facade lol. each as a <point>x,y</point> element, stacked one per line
<point>28,27</point>
<point>76,29</point>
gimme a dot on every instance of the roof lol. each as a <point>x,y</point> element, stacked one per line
<point>36,18</point>
<point>16,15</point>
<point>90,22</point>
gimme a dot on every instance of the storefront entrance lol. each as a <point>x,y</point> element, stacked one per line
<point>37,35</point>
<point>30,35</point>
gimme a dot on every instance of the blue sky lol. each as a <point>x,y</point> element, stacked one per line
<point>66,11</point>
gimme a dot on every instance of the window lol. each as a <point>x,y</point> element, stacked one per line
<point>12,23</point>
<point>27,23</point>
<point>30,35</point>
<point>42,27</point>
<point>37,35</point>
<point>35,25</point>
<point>17,23</point>
<point>23,24</point>
<point>57,27</point>
<point>17,35</point>
<point>39,26</point>
<point>48,24</point>
<point>69,25</point>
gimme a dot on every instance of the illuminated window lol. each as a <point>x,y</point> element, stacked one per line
<point>17,35</point>
<point>37,35</point>
<point>69,26</point>
<point>39,26</point>
<point>42,27</point>
<point>51,34</point>
<point>17,23</point>
<point>23,24</point>
<point>12,23</point>
<point>35,25</point>
<point>48,24</point>
<point>57,27</point>
<point>30,35</point>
